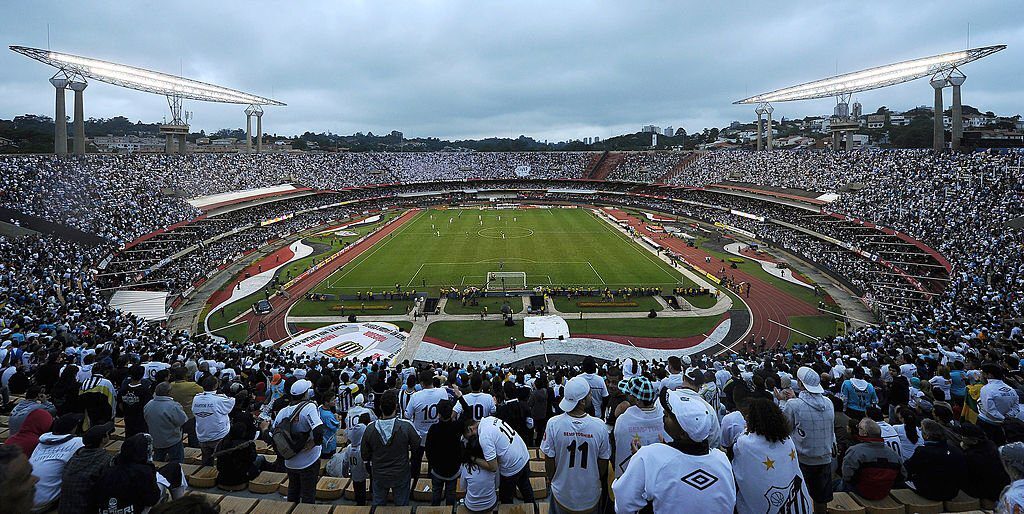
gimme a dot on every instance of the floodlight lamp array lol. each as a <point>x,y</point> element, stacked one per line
<point>873,78</point>
<point>141,79</point>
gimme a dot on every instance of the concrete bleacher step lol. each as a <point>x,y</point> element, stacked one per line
<point>962,503</point>
<point>443,509</point>
<point>237,505</point>
<point>887,505</point>
<point>272,507</point>
<point>330,488</point>
<point>843,503</point>
<point>193,455</point>
<point>517,508</point>
<point>915,503</point>
<point>213,499</point>
<point>537,468</point>
<point>392,510</point>
<point>233,488</point>
<point>350,509</point>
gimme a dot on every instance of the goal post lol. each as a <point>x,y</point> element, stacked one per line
<point>505,280</point>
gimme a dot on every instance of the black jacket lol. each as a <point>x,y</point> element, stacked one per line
<point>936,470</point>
<point>985,477</point>
<point>444,439</point>
<point>515,412</point>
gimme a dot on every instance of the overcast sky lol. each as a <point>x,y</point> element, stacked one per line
<point>550,69</point>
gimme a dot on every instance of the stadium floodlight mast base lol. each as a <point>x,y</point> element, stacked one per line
<point>60,82</point>
<point>938,129</point>
<point>956,79</point>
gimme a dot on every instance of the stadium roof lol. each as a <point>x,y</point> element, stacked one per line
<point>141,79</point>
<point>873,78</point>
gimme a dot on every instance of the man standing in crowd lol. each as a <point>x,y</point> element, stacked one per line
<point>935,471</point>
<point>184,391</point>
<point>684,475</point>
<point>444,463</point>
<point>811,417</point>
<point>386,445</point>
<point>576,452</point>
<point>598,389</point>
<point>303,421</point>
<point>480,405</point>
<point>640,424</point>
<point>998,401</point>
<point>165,418</point>
<point>422,412</point>
<point>506,453</point>
<point>212,421</point>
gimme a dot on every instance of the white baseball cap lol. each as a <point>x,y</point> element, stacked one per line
<point>630,368</point>
<point>300,387</point>
<point>576,389</point>
<point>694,416</point>
<point>810,380</point>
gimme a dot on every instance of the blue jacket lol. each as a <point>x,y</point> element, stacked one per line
<point>858,398</point>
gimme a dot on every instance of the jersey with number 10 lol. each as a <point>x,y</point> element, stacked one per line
<point>576,444</point>
<point>422,409</point>
<point>481,405</point>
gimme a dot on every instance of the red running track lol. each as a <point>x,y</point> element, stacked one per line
<point>275,322</point>
<point>766,302</point>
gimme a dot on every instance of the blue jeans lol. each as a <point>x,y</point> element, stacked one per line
<point>380,492</point>
<point>174,453</point>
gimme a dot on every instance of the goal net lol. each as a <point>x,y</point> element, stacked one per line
<point>504,280</point>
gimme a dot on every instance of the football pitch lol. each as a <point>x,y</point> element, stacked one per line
<point>460,247</point>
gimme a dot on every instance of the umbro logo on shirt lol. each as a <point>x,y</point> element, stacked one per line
<point>700,480</point>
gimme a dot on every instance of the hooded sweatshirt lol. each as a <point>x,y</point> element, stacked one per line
<point>812,417</point>
<point>386,446</point>
<point>858,394</point>
<point>36,424</point>
<point>129,485</point>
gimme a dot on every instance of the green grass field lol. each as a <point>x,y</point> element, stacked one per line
<point>485,334</point>
<point>818,326</point>
<point>459,247</point>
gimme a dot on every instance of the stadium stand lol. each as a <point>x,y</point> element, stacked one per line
<point>918,414</point>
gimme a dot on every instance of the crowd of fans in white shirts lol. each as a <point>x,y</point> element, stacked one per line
<point>929,400</point>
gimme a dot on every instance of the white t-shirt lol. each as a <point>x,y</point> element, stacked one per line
<point>908,370</point>
<point>768,476</point>
<point>663,475</point>
<point>309,419</point>
<point>576,445</point>
<point>48,461</point>
<point>211,411</point>
<point>598,390</point>
<point>733,426</point>
<point>500,441</point>
<point>422,410</point>
<point>636,423</point>
<point>1011,501</point>
<point>671,382</point>
<point>481,405</point>
<point>481,488</point>
<point>907,448</point>
<point>892,439</point>
<point>942,383</point>
<point>152,368</point>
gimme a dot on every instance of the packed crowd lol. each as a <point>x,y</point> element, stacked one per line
<point>928,401</point>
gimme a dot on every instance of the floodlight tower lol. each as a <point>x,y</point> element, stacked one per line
<point>938,130</point>
<point>768,109</point>
<point>259,128</point>
<point>249,111</point>
<point>957,79</point>
<point>760,112</point>
<point>177,129</point>
<point>60,117</point>
<point>78,85</point>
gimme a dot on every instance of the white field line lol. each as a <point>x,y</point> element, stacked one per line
<point>632,244</point>
<point>596,273</point>
<point>353,264</point>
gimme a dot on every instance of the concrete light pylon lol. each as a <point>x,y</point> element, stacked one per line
<point>259,128</point>
<point>938,130</point>
<point>78,85</point>
<point>768,109</point>
<point>957,79</point>
<point>60,116</point>
<point>760,112</point>
<point>249,111</point>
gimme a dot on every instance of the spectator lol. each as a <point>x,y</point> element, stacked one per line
<point>130,483</point>
<point>303,421</point>
<point>576,453</point>
<point>480,484</point>
<point>34,399</point>
<point>857,394</point>
<point>17,483</point>
<point>443,462</point>
<point>908,431</point>
<point>422,413</point>
<point>331,424</point>
<point>53,452</point>
<point>83,471</point>
<point>480,404</point>
<point>870,468</point>
<point>998,402</point>
<point>539,404</point>
<point>811,417</point>
<point>98,396</point>
<point>598,389</point>
<point>768,476</point>
<point>212,421</point>
<point>685,475</point>
<point>1011,500</point>
<point>935,471</point>
<point>514,412</point>
<point>165,418</point>
<point>132,400</point>
<point>385,449</point>
<point>236,457</point>
<point>35,425</point>
<point>506,453</point>
<point>639,422</point>
<point>184,392</point>
<point>984,476</point>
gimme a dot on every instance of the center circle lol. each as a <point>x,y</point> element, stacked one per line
<point>508,232</point>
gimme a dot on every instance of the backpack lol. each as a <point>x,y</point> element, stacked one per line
<point>286,441</point>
